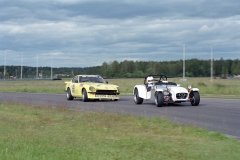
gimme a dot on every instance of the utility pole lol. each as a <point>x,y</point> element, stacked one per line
<point>37,67</point>
<point>4,66</point>
<point>211,63</point>
<point>21,65</point>
<point>51,68</point>
<point>184,47</point>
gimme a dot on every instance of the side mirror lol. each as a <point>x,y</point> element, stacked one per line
<point>178,85</point>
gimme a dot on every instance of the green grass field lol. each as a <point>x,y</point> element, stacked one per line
<point>32,132</point>
<point>219,88</point>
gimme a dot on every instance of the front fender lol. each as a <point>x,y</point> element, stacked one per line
<point>67,85</point>
<point>194,89</point>
<point>159,90</point>
<point>155,92</point>
<point>142,91</point>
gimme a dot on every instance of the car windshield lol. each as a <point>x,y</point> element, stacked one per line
<point>164,85</point>
<point>92,79</point>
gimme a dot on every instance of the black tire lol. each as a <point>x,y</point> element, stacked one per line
<point>84,95</point>
<point>69,95</point>
<point>137,99</point>
<point>159,99</point>
<point>195,98</point>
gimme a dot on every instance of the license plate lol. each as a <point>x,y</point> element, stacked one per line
<point>112,96</point>
<point>100,95</point>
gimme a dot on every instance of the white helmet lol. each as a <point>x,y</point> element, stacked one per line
<point>150,80</point>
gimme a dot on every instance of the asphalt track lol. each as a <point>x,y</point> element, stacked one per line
<point>219,115</point>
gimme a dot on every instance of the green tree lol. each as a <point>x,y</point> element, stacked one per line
<point>103,69</point>
<point>115,68</point>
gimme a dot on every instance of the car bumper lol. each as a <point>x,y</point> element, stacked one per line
<point>102,96</point>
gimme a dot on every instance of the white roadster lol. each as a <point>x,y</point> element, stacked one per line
<point>159,90</point>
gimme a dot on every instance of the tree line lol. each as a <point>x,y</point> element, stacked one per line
<point>131,69</point>
<point>193,68</point>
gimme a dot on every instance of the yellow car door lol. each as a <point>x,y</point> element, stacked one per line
<point>78,86</point>
<point>74,88</point>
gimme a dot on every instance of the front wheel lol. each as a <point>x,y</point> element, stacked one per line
<point>195,98</point>
<point>84,96</point>
<point>69,95</point>
<point>159,99</point>
<point>137,99</point>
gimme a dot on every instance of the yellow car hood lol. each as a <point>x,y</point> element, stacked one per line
<point>101,86</point>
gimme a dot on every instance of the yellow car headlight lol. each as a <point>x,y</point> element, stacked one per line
<point>92,89</point>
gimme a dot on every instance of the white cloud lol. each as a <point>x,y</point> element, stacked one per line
<point>16,30</point>
<point>56,53</point>
<point>88,33</point>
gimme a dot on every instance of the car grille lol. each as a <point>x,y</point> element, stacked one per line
<point>106,92</point>
<point>181,95</point>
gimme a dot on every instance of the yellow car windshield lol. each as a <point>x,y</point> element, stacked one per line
<point>92,79</point>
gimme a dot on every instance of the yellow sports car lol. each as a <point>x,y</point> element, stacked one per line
<point>91,87</point>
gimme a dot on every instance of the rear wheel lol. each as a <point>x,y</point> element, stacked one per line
<point>137,99</point>
<point>69,95</point>
<point>159,99</point>
<point>195,98</point>
<point>84,95</point>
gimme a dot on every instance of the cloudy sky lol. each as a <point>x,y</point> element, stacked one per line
<point>83,33</point>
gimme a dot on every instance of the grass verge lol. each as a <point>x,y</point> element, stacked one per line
<point>45,133</point>
<point>219,88</point>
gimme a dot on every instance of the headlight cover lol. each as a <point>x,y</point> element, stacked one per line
<point>92,89</point>
<point>189,87</point>
<point>168,88</point>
